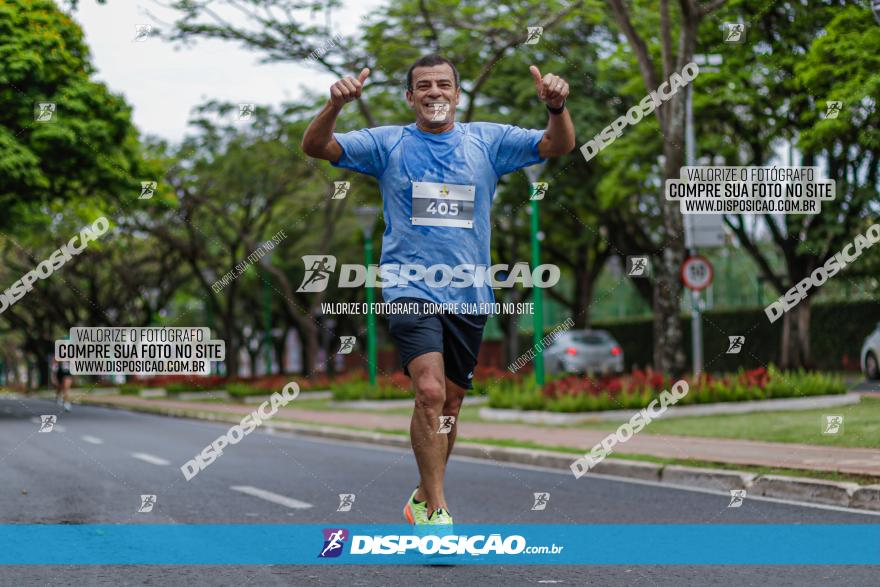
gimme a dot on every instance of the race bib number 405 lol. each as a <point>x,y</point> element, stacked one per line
<point>443,204</point>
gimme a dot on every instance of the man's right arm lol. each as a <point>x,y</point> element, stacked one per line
<point>318,140</point>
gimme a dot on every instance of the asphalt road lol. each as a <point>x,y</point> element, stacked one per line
<point>97,462</point>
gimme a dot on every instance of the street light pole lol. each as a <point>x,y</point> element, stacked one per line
<point>538,324</point>
<point>533,172</point>
<point>366,216</point>
<point>267,322</point>
<point>371,317</point>
<point>265,261</point>
<point>707,63</point>
<point>690,157</point>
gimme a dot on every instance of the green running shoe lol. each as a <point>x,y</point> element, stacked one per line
<point>439,517</point>
<point>415,512</point>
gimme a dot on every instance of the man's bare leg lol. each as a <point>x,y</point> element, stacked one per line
<point>429,447</point>
<point>451,407</point>
<point>65,387</point>
<point>454,398</point>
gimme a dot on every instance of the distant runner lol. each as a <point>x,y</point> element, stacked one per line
<point>63,379</point>
<point>438,180</point>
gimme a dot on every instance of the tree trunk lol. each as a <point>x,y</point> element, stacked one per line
<point>785,350</point>
<point>253,358</point>
<point>280,345</point>
<point>583,293</point>
<point>231,339</point>
<point>42,365</point>
<point>795,351</point>
<point>308,332</point>
<point>669,356</point>
<point>803,316</point>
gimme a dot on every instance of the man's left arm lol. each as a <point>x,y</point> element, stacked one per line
<point>559,136</point>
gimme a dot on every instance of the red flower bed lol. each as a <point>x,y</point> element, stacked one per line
<point>611,384</point>
<point>482,373</point>
<point>398,380</point>
<point>756,377</point>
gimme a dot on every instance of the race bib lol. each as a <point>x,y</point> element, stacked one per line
<point>442,204</point>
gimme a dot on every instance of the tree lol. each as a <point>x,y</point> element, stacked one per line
<point>668,352</point>
<point>122,279</point>
<point>812,52</point>
<point>62,135</point>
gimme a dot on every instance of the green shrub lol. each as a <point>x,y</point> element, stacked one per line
<point>130,389</point>
<point>242,390</point>
<point>175,388</point>
<point>355,390</point>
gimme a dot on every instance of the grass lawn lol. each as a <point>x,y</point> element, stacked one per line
<point>861,426</point>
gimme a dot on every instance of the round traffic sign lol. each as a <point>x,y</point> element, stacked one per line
<point>696,272</point>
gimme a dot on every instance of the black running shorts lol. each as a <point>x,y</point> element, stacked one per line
<point>456,336</point>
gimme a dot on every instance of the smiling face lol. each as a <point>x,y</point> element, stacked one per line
<point>434,97</point>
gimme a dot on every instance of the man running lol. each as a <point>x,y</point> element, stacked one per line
<point>63,380</point>
<point>438,180</point>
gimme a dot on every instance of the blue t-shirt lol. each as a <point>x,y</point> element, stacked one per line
<point>471,154</point>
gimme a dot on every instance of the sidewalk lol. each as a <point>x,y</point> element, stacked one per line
<point>859,461</point>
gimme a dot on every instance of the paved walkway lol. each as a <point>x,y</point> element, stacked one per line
<point>742,452</point>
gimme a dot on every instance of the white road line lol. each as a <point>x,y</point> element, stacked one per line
<point>273,497</point>
<point>92,439</point>
<point>153,460</point>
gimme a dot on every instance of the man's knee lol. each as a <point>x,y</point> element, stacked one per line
<point>430,390</point>
<point>454,399</point>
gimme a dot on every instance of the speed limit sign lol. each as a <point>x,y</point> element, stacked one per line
<point>696,272</point>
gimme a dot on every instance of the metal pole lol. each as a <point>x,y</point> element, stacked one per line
<point>696,322</point>
<point>267,323</point>
<point>538,320</point>
<point>371,318</point>
<point>209,321</point>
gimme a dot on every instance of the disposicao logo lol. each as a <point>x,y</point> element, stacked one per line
<point>334,540</point>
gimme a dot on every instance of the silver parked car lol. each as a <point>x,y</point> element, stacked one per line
<point>870,354</point>
<point>584,351</point>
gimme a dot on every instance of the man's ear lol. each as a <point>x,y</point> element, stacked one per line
<point>409,98</point>
<point>457,95</point>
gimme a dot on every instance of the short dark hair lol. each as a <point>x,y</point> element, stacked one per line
<point>429,61</point>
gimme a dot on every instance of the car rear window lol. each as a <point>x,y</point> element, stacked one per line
<point>592,338</point>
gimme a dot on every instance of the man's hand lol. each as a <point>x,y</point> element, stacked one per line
<point>318,140</point>
<point>348,89</point>
<point>552,89</point>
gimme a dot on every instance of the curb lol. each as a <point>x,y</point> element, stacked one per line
<point>815,490</point>
<point>707,478</point>
<point>837,493</point>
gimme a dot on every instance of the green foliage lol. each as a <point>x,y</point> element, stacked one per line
<point>130,389</point>
<point>242,390</point>
<point>89,148</point>
<point>743,386</point>
<point>179,387</point>
<point>359,389</point>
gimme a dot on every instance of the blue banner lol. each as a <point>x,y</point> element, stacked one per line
<point>602,544</point>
